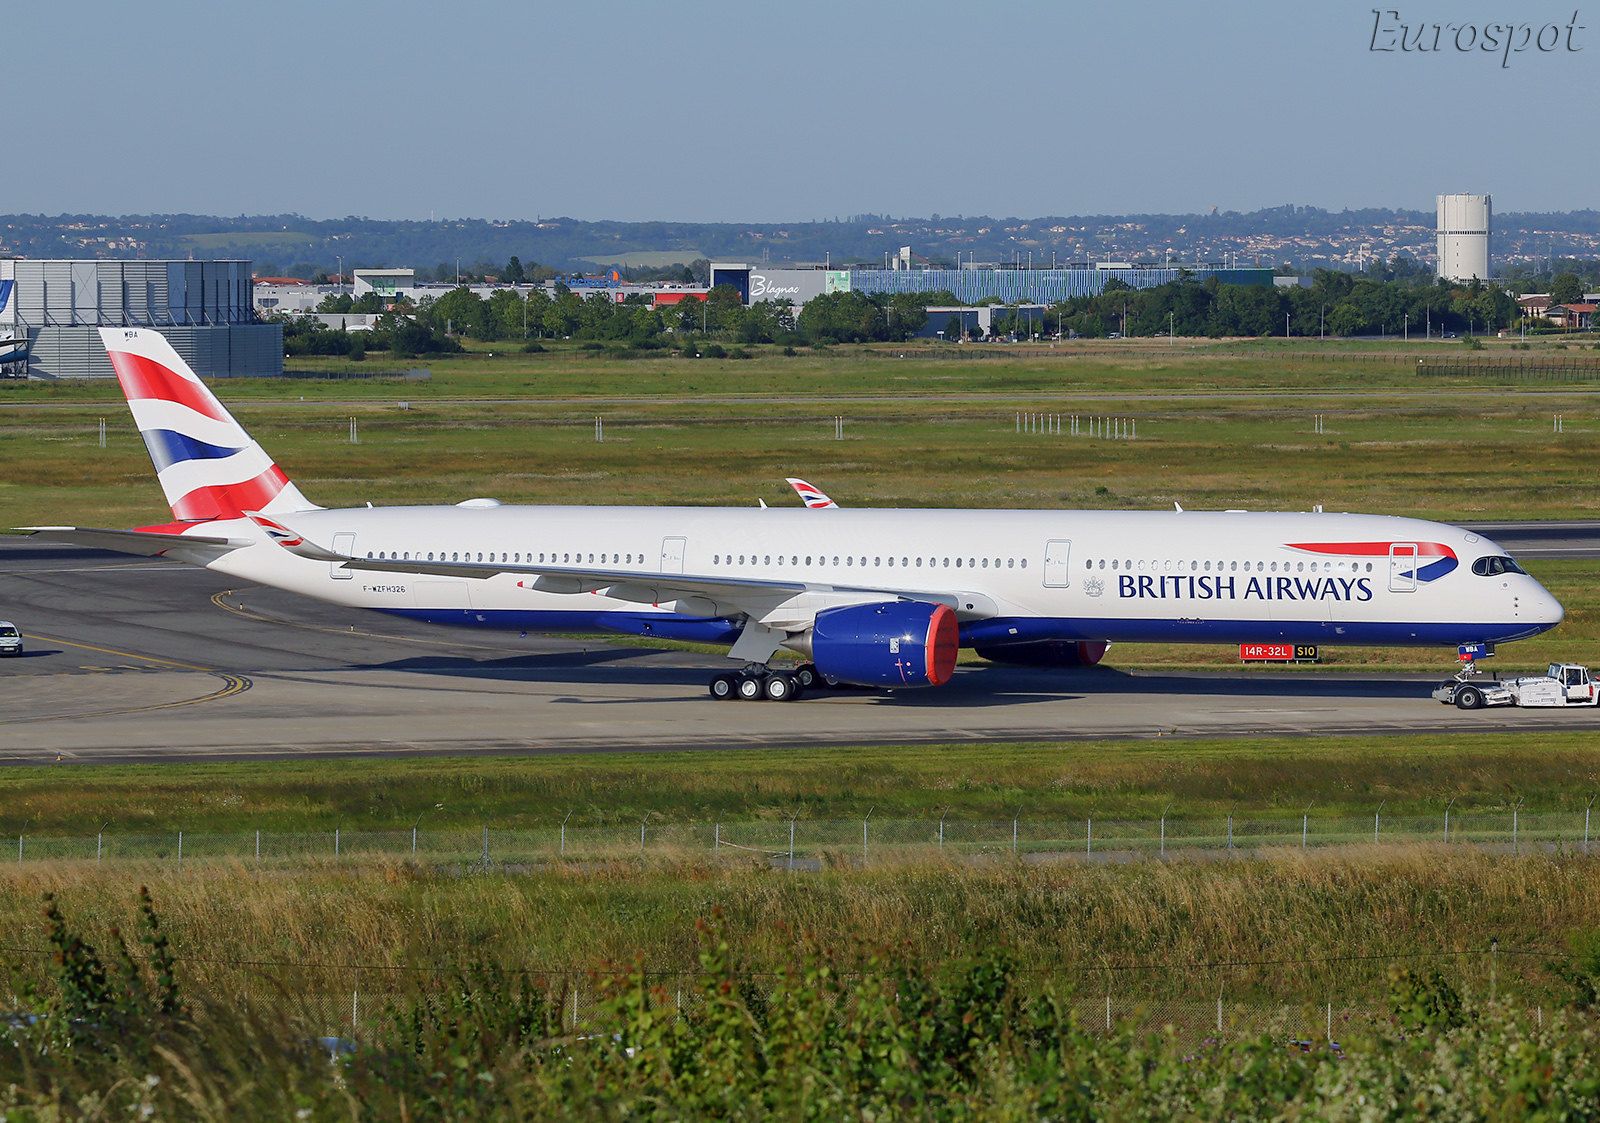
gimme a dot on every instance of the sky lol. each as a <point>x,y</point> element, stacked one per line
<point>716,111</point>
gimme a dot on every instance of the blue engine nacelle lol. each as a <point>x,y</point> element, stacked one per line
<point>897,643</point>
<point>1047,653</point>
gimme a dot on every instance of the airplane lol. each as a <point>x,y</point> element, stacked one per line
<point>877,598</point>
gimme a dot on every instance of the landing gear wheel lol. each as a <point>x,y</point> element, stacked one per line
<point>1469,698</point>
<point>749,688</point>
<point>722,687</point>
<point>806,675</point>
<point>781,688</point>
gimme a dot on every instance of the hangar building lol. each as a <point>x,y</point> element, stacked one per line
<point>52,310</point>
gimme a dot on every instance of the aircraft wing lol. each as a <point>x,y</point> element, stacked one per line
<point>146,543</point>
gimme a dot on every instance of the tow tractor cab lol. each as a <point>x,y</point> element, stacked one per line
<point>10,639</point>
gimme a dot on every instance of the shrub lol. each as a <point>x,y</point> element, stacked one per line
<point>533,347</point>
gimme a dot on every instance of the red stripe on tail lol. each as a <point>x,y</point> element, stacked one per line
<point>231,501</point>
<point>144,378</point>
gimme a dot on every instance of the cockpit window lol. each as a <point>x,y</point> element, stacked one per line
<point>1495,566</point>
<point>8,632</point>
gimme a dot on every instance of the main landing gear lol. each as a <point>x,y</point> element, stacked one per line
<point>761,683</point>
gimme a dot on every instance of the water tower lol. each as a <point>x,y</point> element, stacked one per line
<point>1463,233</point>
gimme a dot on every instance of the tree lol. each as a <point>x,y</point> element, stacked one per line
<point>1566,288</point>
<point>513,273</point>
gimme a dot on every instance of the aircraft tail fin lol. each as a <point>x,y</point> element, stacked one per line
<point>814,497</point>
<point>208,466</point>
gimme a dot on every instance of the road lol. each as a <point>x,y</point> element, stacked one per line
<point>145,660</point>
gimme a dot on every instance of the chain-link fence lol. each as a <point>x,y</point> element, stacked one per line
<point>815,843</point>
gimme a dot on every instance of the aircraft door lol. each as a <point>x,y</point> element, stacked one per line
<point>1403,567</point>
<point>343,543</point>
<point>1057,567</point>
<point>672,554</point>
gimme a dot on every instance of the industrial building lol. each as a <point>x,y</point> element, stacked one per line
<point>1463,236</point>
<point>968,285</point>
<point>53,310</point>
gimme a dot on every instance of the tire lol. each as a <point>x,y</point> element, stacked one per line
<point>806,675</point>
<point>1469,698</point>
<point>749,688</point>
<point>722,688</point>
<point>781,688</point>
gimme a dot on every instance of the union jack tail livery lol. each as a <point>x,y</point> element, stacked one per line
<point>208,466</point>
<point>814,497</point>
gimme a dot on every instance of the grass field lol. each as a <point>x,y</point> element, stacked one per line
<point>1333,777</point>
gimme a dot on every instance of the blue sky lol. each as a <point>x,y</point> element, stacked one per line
<point>723,111</point>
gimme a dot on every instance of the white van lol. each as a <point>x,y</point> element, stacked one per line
<point>10,639</point>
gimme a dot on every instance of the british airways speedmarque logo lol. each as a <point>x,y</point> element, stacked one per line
<point>1433,559</point>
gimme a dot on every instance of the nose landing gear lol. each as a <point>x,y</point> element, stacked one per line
<point>761,683</point>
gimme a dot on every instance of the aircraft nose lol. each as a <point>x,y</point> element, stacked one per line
<point>1545,608</point>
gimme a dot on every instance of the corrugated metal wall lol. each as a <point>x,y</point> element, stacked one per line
<point>220,351</point>
<point>133,293</point>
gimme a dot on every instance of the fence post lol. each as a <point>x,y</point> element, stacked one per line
<point>1108,1013</point>
<point>1494,948</point>
<point>1447,820</point>
<point>941,832</point>
<point>355,1010</point>
<point>413,841</point>
<point>486,846</point>
<point>1230,847</point>
<point>716,838</point>
<point>99,843</point>
<point>791,844</point>
<point>1515,848</point>
<point>1088,836</point>
<point>180,848</point>
<point>641,836</point>
<point>1586,808</point>
<point>19,849</point>
<point>258,844</point>
<point>1330,1023</point>
<point>1163,836</point>
<point>1219,1011</point>
<point>335,842</point>
<point>1013,837</point>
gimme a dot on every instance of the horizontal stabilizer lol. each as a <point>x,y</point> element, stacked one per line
<point>146,543</point>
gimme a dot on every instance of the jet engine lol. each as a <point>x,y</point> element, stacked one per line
<point>893,644</point>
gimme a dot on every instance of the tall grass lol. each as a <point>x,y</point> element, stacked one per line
<point>827,1035</point>
<point>1290,927</point>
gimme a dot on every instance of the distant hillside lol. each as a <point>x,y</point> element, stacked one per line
<point>1304,236</point>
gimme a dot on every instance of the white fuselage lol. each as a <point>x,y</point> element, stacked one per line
<point>1019,576</point>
